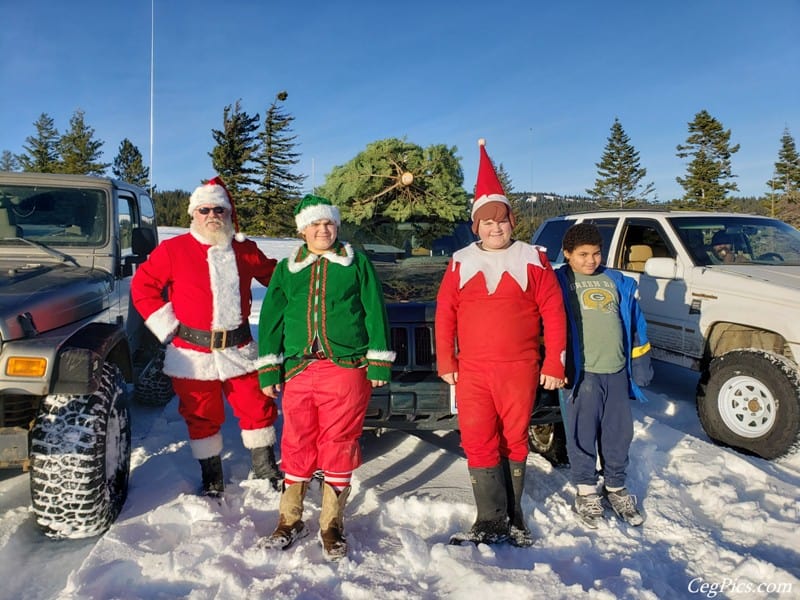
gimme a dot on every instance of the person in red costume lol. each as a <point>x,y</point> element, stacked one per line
<point>206,274</point>
<point>491,301</point>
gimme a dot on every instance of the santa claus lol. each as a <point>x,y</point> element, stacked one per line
<point>194,292</point>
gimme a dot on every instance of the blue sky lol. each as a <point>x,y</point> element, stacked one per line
<point>542,81</point>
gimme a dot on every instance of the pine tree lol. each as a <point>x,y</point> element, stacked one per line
<point>128,165</point>
<point>8,162</point>
<point>171,208</point>
<point>41,152</point>
<point>80,152</point>
<point>620,173</point>
<point>707,181</point>
<point>237,143</point>
<point>786,181</point>
<point>279,188</point>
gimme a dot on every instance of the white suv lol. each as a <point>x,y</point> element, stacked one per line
<point>721,293</point>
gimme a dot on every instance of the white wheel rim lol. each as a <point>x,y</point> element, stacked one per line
<point>747,407</point>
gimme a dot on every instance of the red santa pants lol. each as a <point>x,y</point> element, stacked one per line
<point>202,408</point>
<point>323,417</point>
<point>495,401</point>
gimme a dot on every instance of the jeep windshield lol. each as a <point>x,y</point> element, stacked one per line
<point>409,258</point>
<point>755,240</point>
<point>52,216</point>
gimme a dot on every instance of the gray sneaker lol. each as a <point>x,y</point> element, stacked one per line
<point>589,509</point>
<point>624,504</point>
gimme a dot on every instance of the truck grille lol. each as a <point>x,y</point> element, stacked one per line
<point>414,347</point>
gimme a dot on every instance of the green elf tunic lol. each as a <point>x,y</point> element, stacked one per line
<point>330,304</point>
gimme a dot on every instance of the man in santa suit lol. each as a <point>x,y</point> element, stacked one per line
<point>492,299</point>
<point>207,274</point>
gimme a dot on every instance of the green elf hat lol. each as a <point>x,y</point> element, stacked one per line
<point>315,208</point>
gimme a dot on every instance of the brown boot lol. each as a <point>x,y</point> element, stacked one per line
<point>290,524</point>
<point>331,522</point>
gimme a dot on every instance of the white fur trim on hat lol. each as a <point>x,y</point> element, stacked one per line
<point>213,195</point>
<point>317,212</point>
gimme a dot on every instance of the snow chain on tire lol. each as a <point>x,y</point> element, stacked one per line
<point>80,459</point>
<point>153,388</point>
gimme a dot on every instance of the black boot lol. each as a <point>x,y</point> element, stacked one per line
<point>265,466</point>
<point>212,476</point>
<point>491,524</point>
<point>514,473</point>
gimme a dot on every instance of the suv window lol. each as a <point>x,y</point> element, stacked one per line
<point>642,239</point>
<point>551,234</point>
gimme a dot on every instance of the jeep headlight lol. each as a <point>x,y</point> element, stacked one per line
<point>26,366</point>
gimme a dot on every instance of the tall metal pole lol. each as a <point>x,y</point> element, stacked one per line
<point>152,71</point>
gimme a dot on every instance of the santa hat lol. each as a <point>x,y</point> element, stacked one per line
<point>315,208</point>
<point>490,201</point>
<point>214,193</point>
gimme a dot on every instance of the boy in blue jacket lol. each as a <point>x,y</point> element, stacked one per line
<point>608,359</point>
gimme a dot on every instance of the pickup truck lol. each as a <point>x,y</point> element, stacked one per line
<point>720,293</point>
<point>416,399</point>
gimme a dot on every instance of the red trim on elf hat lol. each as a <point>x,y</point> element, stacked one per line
<point>240,237</point>
<point>488,191</point>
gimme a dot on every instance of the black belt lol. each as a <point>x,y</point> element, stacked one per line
<point>216,339</point>
<point>318,355</point>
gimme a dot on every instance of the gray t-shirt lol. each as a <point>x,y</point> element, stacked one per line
<point>596,300</point>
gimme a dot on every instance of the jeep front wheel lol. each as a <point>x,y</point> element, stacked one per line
<point>749,400</point>
<point>80,459</point>
<point>550,441</point>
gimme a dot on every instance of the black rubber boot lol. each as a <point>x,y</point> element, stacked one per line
<point>514,473</point>
<point>212,476</point>
<point>265,466</point>
<point>491,524</point>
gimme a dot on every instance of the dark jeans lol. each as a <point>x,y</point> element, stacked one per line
<point>599,419</point>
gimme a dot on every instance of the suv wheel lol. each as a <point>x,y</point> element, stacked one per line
<point>550,441</point>
<point>80,459</point>
<point>749,400</point>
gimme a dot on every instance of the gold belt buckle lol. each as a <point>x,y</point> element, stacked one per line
<point>223,339</point>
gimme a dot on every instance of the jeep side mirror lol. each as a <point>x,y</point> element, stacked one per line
<point>143,241</point>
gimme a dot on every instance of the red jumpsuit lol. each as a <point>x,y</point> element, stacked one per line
<point>489,315</point>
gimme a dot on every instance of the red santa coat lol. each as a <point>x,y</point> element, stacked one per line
<point>208,288</point>
<point>490,304</point>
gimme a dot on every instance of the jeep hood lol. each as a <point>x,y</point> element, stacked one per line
<point>55,295</point>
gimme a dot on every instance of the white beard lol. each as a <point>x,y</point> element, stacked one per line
<point>221,237</point>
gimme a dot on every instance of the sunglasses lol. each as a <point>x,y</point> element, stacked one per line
<point>218,210</point>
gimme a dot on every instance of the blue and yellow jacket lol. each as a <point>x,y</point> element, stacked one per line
<point>634,328</point>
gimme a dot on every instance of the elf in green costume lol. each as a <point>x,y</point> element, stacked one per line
<point>323,339</point>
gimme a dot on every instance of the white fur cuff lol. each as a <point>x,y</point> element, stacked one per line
<point>258,438</point>
<point>163,322</point>
<point>386,355</point>
<point>206,447</point>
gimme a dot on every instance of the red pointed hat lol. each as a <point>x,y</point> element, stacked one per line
<point>490,200</point>
<point>215,193</point>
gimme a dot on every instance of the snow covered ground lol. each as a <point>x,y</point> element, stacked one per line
<point>718,524</point>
